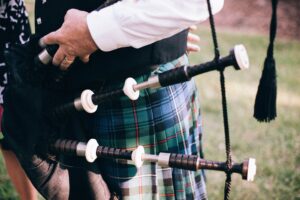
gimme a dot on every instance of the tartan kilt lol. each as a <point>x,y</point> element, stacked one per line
<point>161,120</point>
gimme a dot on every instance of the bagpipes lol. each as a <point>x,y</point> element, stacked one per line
<point>91,151</point>
<point>45,138</point>
<point>88,102</point>
<point>49,124</point>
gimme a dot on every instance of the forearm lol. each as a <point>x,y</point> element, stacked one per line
<point>139,23</point>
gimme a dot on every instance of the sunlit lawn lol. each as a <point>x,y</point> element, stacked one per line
<point>276,146</point>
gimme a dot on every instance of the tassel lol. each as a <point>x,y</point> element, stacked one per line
<point>265,102</point>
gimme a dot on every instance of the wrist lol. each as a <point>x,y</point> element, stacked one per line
<point>92,44</point>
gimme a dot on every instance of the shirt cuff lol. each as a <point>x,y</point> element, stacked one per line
<point>101,25</point>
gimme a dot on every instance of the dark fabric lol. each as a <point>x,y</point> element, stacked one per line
<point>14,28</point>
<point>29,127</point>
<point>4,144</point>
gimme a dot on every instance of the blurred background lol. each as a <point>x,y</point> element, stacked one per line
<point>276,146</point>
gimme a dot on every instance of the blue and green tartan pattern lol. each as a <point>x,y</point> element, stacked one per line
<point>161,120</point>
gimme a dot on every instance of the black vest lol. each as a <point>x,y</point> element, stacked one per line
<point>117,64</point>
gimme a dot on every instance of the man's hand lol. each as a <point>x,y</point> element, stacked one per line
<point>73,38</point>
<point>192,41</point>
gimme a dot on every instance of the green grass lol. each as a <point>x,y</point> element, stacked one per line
<point>276,146</point>
<point>7,191</point>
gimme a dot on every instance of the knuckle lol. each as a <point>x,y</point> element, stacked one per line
<point>70,51</point>
<point>70,11</point>
<point>58,34</point>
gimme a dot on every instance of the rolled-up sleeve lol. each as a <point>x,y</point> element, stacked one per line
<point>137,23</point>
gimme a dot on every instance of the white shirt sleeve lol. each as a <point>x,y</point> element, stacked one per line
<point>138,23</point>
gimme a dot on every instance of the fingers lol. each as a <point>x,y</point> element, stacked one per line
<point>58,57</point>
<point>192,47</point>
<point>193,38</point>
<point>193,28</point>
<point>51,38</point>
<point>67,61</point>
<point>62,60</point>
<point>192,43</point>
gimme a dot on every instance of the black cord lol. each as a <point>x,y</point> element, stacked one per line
<point>213,31</point>
<point>273,28</point>
<point>227,188</point>
<point>227,137</point>
<point>224,106</point>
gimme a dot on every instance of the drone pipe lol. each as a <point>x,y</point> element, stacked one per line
<point>88,101</point>
<point>237,57</point>
<point>45,57</point>
<point>91,151</point>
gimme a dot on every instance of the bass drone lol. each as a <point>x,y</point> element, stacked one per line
<point>91,151</point>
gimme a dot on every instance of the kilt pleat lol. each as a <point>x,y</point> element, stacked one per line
<point>161,120</point>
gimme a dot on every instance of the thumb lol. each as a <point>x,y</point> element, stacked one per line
<point>51,38</point>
